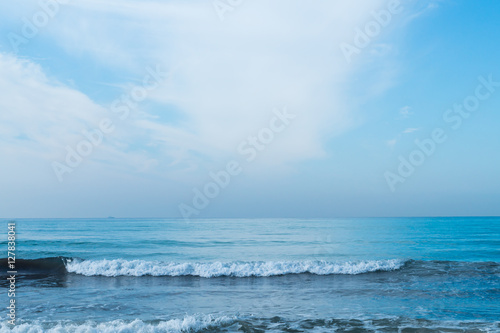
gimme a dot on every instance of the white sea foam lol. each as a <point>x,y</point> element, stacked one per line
<point>209,323</point>
<point>120,267</point>
<point>187,324</point>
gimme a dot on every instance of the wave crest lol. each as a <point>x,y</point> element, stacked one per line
<point>193,323</point>
<point>120,267</point>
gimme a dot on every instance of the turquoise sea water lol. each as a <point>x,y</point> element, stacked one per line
<point>254,275</point>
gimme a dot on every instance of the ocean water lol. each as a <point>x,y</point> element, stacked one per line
<point>255,275</point>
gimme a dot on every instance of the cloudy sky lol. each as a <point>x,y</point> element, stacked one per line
<point>233,108</point>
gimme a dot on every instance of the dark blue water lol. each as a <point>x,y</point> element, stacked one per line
<point>257,275</point>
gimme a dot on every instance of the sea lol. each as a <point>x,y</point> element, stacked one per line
<point>436,274</point>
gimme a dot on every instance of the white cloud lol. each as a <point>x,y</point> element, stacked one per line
<point>392,143</point>
<point>226,79</point>
<point>410,130</point>
<point>422,8</point>
<point>230,75</point>
<point>405,111</point>
<point>39,115</point>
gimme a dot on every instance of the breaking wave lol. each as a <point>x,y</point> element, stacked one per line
<point>120,267</point>
<point>196,323</point>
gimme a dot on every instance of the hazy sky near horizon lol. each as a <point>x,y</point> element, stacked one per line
<point>232,108</point>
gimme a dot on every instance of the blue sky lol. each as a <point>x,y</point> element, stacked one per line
<point>182,88</point>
